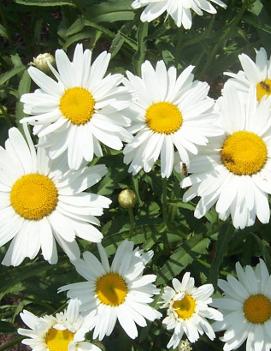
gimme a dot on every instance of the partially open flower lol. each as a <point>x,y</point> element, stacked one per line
<point>42,60</point>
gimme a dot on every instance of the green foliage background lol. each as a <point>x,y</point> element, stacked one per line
<point>208,248</point>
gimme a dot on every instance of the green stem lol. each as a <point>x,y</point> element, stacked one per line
<point>164,201</point>
<point>132,220</point>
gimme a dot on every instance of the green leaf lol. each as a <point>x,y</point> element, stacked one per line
<point>257,23</point>
<point>24,87</point>
<point>256,8</point>
<point>45,2</point>
<point>117,43</point>
<point>139,56</point>
<point>110,11</point>
<point>224,236</point>
<point>5,77</point>
<point>182,257</point>
<point>3,32</point>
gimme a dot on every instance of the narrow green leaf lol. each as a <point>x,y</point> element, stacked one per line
<point>182,257</point>
<point>24,87</point>
<point>117,43</point>
<point>45,2</point>
<point>5,77</point>
<point>224,236</point>
<point>3,32</point>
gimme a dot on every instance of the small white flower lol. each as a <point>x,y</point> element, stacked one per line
<point>233,172</point>
<point>255,75</point>
<point>187,310</point>
<point>42,201</point>
<point>246,306</point>
<point>179,10</point>
<point>80,110</point>
<point>114,292</point>
<point>167,113</point>
<point>63,332</point>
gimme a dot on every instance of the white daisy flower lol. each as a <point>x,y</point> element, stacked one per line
<point>234,170</point>
<point>81,109</point>
<point>114,292</point>
<point>167,112</point>
<point>255,75</point>
<point>63,332</point>
<point>187,310</point>
<point>43,201</point>
<point>246,306</point>
<point>179,10</point>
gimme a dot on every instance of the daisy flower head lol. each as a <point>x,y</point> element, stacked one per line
<point>81,109</point>
<point>187,310</point>
<point>255,75</point>
<point>246,306</point>
<point>179,10</point>
<point>62,332</point>
<point>42,202</point>
<point>233,172</point>
<point>167,113</point>
<point>116,291</point>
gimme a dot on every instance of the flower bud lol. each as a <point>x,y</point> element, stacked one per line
<point>127,198</point>
<point>41,61</point>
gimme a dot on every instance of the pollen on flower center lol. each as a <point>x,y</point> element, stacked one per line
<point>58,340</point>
<point>184,307</point>
<point>244,153</point>
<point>34,196</point>
<point>111,289</point>
<point>263,88</point>
<point>77,105</point>
<point>164,117</point>
<point>257,309</point>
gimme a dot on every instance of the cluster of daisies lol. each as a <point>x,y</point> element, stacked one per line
<point>163,117</point>
<point>120,291</point>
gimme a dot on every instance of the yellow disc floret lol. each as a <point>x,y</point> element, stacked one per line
<point>244,153</point>
<point>263,89</point>
<point>164,117</point>
<point>185,307</point>
<point>77,105</point>
<point>34,196</point>
<point>58,340</point>
<point>257,309</point>
<point>111,289</point>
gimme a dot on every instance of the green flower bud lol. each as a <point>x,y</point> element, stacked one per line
<point>127,198</point>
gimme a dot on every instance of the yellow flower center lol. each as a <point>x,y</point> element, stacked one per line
<point>111,289</point>
<point>257,309</point>
<point>164,117</point>
<point>77,105</point>
<point>263,88</point>
<point>244,153</point>
<point>185,307</point>
<point>34,196</point>
<point>58,340</point>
